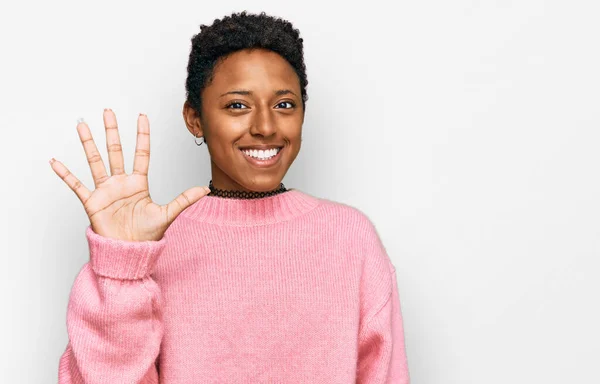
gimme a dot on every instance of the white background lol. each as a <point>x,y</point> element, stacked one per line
<point>468,131</point>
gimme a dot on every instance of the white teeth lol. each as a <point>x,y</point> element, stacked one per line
<point>260,154</point>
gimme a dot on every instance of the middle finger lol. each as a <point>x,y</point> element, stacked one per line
<point>91,151</point>
<point>113,143</point>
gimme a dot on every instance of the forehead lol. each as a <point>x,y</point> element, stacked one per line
<point>256,67</point>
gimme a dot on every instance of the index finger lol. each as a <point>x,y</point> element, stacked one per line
<point>142,147</point>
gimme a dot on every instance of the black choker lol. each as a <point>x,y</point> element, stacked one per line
<point>244,194</point>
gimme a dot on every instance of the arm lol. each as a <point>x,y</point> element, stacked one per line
<point>382,353</point>
<point>114,315</point>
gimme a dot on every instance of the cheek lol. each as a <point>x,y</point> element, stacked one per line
<point>222,144</point>
<point>291,127</point>
<point>294,136</point>
<point>226,132</point>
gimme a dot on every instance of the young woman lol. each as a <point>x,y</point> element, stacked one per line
<point>247,281</point>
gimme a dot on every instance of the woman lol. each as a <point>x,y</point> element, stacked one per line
<point>247,281</point>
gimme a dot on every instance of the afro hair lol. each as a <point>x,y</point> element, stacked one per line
<point>237,32</point>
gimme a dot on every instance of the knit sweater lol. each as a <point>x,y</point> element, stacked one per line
<point>288,288</point>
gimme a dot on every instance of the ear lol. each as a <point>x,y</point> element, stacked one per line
<point>192,120</point>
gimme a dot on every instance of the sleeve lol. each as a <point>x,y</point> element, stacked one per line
<point>114,315</point>
<point>381,350</point>
<point>382,354</point>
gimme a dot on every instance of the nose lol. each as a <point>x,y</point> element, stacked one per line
<point>263,122</point>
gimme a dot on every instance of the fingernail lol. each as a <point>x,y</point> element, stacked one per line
<point>80,120</point>
<point>52,160</point>
<point>207,189</point>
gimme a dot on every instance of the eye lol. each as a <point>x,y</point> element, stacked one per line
<point>234,103</point>
<point>288,102</point>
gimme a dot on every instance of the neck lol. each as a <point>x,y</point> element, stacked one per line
<point>243,194</point>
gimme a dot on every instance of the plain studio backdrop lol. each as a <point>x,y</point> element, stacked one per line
<point>468,132</point>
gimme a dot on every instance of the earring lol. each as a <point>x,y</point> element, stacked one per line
<point>197,141</point>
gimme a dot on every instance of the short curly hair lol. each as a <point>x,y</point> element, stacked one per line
<point>237,32</point>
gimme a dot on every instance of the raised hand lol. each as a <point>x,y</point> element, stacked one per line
<point>120,207</point>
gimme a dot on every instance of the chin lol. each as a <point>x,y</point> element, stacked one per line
<point>263,183</point>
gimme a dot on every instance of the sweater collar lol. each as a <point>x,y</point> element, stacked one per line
<point>249,212</point>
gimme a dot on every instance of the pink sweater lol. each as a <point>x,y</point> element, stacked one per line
<point>288,288</point>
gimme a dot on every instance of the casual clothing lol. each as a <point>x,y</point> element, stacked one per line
<point>288,288</point>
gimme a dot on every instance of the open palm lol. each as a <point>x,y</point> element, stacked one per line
<point>120,207</point>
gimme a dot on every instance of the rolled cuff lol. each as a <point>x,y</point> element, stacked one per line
<point>121,259</point>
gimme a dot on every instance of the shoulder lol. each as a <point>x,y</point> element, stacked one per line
<point>348,213</point>
<point>359,234</point>
<point>357,229</point>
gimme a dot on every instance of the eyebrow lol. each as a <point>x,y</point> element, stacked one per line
<point>278,92</point>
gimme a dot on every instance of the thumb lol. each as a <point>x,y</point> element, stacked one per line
<point>184,200</point>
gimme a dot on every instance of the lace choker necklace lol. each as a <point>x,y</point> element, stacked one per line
<point>244,194</point>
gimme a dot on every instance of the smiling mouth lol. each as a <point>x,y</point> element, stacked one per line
<point>261,154</point>
<point>262,159</point>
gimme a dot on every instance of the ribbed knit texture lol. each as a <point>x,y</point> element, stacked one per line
<point>288,288</point>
